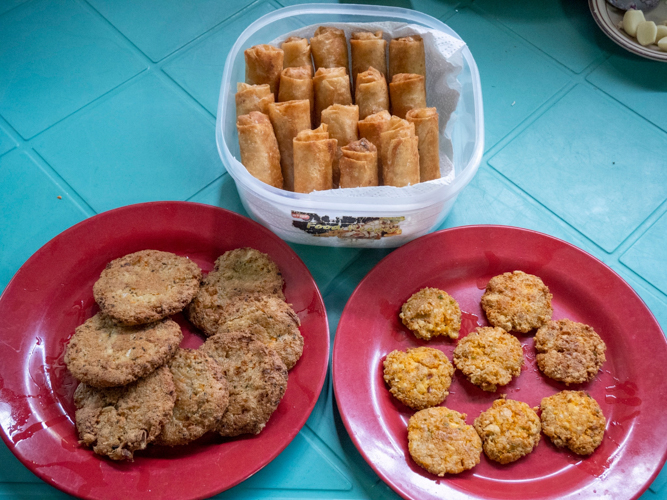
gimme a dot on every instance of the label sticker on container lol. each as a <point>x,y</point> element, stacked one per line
<point>347,227</point>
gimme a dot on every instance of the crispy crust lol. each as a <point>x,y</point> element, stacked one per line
<point>517,302</point>
<point>201,397</point>
<point>146,286</point>
<point>509,430</point>
<point>569,352</point>
<point>257,381</point>
<point>102,353</point>
<point>238,272</point>
<point>270,320</point>
<point>573,419</point>
<point>489,357</point>
<point>431,312</point>
<point>419,377</point>
<point>441,442</point>
<point>118,421</point>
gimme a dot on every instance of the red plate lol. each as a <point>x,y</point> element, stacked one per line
<point>630,389</point>
<point>53,293</point>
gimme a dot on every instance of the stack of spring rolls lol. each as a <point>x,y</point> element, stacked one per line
<point>302,128</point>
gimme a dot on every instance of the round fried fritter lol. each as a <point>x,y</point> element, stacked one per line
<point>201,397</point>
<point>509,430</point>
<point>517,302</point>
<point>431,312</point>
<point>237,272</point>
<point>441,442</point>
<point>102,353</point>
<point>256,377</point>
<point>146,286</point>
<point>271,321</point>
<point>569,352</point>
<point>489,357</point>
<point>419,377</point>
<point>573,419</point>
<point>120,420</point>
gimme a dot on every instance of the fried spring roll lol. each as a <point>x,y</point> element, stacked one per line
<point>368,50</point>
<point>331,86</point>
<point>371,93</point>
<point>288,119</point>
<point>259,148</point>
<point>263,64</point>
<point>406,55</point>
<point>314,154</point>
<point>358,164</point>
<point>297,84</point>
<point>297,52</point>
<point>253,98</point>
<point>426,128</point>
<point>342,122</point>
<point>329,48</point>
<point>370,128</point>
<point>407,92</point>
<point>399,148</point>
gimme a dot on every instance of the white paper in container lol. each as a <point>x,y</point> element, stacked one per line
<point>381,216</point>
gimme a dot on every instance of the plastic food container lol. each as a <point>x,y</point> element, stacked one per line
<point>317,219</point>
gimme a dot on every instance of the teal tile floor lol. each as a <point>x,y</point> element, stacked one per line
<point>104,103</point>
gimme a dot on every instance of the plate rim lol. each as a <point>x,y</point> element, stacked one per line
<point>345,418</point>
<point>166,205</point>
<point>615,35</point>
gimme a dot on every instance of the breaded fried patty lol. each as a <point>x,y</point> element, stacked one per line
<point>102,353</point>
<point>118,421</point>
<point>419,377</point>
<point>569,352</point>
<point>146,286</point>
<point>509,430</point>
<point>441,442</point>
<point>201,397</point>
<point>574,420</point>
<point>237,272</point>
<point>257,379</point>
<point>431,312</point>
<point>517,302</point>
<point>271,321</point>
<point>489,357</point>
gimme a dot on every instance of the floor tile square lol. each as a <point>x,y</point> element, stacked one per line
<point>648,256</point>
<point>582,165</point>
<point>516,79</point>
<point>56,57</point>
<point>159,27</point>
<point>6,141</point>
<point>638,83</point>
<point>31,213</point>
<point>147,142</point>
<point>199,68</point>
<point>564,29</point>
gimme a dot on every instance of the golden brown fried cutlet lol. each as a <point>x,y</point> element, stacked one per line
<point>431,312</point>
<point>419,377</point>
<point>573,419</point>
<point>440,441</point>
<point>201,397</point>
<point>238,272</point>
<point>489,357</point>
<point>102,353</point>
<point>269,319</point>
<point>517,302</point>
<point>509,430</point>
<point>118,421</point>
<point>569,352</point>
<point>146,286</point>
<point>257,379</point>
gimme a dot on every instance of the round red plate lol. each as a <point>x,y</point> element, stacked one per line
<point>630,388</point>
<point>53,293</point>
